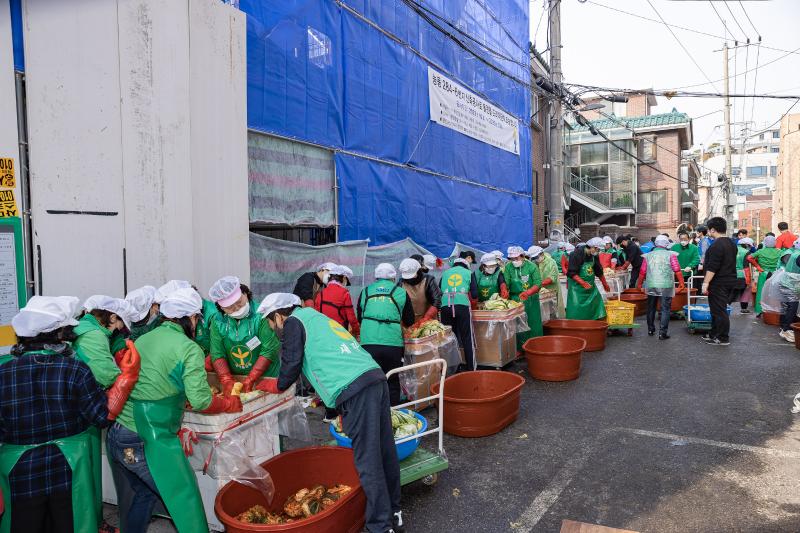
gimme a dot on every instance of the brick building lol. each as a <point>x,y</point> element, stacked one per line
<point>756,216</point>
<point>540,131</point>
<point>613,189</point>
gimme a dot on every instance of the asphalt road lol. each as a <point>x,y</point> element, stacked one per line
<point>655,436</point>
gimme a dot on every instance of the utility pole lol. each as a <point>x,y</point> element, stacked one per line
<point>730,201</point>
<point>556,134</point>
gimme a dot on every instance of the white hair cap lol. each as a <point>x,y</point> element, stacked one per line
<point>326,266</point>
<point>45,313</point>
<point>569,247</point>
<point>515,251</point>
<point>595,242</point>
<point>662,241</point>
<point>223,288</point>
<point>118,306</point>
<point>141,300</point>
<point>498,254</point>
<point>181,303</point>
<point>347,272</point>
<point>170,287</point>
<point>489,259</point>
<point>385,271</point>
<point>747,240</point>
<point>429,260</point>
<point>608,240</point>
<point>278,300</point>
<point>535,251</point>
<point>337,270</point>
<point>769,241</point>
<point>409,268</point>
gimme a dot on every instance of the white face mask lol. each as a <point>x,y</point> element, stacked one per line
<point>325,277</point>
<point>490,269</point>
<point>539,258</point>
<point>242,312</point>
<point>517,262</point>
<point>684,243</point>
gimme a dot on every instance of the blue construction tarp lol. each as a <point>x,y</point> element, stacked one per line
<point>16,34</point>
<point>352,76</point>
<point>386,203</point>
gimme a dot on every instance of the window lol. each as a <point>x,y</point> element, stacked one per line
<point>776,134</point>
<point>537,119</point>
<point>774,149</point>
<point>761,137</point>
<point>536,186</point>
<point>773,171</point>
<point>647,149</point>
<point>756,171</point>
<point>736,171</point>
<point>594,153</point>
<point>652,202</point>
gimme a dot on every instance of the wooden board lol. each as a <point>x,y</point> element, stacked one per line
<point>570,526</point>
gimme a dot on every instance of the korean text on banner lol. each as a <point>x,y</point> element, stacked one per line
<point>455,107</point>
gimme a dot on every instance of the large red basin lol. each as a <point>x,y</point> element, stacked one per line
<point>639,300</point>
<point>292,471</point>
<point>679,300</point>
<point>554,358</point>
<point>594,332</point>
<point>480,403</point>
<point>771,318</point>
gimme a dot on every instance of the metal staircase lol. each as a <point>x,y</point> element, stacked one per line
<point>603,202</point>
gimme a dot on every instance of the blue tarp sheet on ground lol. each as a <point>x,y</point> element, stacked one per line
<point>386,203</point>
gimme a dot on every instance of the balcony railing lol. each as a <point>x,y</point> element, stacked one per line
<point>609,199</point>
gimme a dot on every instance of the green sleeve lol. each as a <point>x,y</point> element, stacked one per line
<point>195,381</point>
<point>93,349</point>
<point>117,343</point>
<point>216,346</point>
<point>270,345</point>
<point>695,262</point>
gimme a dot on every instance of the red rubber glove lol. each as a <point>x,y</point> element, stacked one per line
<point>473,304</point>
<point>747,276</point>
<point>527,294</point>
<point>223,404</point>
<point>431,314</point>
<point>209,366</point>
<point>504,291</point>
<point>122,387</point>
<point>119,356</point>
<point>577,279</point>
<point>546,282</point>
<point>261,366</point>
<point>605,284</point>
<point>187,438</point>
<point>753,261</point>
<point>681,282</point>
<point>224,374</point>
<point>269,385</point>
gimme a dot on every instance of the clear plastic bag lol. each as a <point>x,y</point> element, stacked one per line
<point>417,383</point>
<point>232,463</point>
<point>290,421</point>
<point>771,294</point>
<point>789,284</point>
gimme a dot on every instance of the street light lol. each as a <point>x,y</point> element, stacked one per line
<point>591,107</point>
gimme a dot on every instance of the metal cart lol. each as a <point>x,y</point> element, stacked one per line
<point>424,464</point>
<point>695,325</point>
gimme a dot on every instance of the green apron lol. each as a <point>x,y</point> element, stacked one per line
<point>487,284</point>
<point>585,304</point>
<point>520,280</point>
<point>762,278</point>
<point>77,451</point>
<point>157,423</point>
<point>236,333</point>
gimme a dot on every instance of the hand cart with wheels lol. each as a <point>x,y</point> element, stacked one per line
<point>424,464</point>
<point>620,315</point>
<point>692,324</point>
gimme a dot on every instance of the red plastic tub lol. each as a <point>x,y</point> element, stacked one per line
<point>554,357</point>
<point>771,318</point>
<point>796,329</point>
<point>639,300</point>
<point>480,403</point>
<point>678,301</point>
<point>292,471</point>
<point>634,290</point>
<point>594,332</point>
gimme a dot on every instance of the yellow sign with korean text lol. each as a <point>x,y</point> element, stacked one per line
<point>7,174</point>
<point>8,204</point>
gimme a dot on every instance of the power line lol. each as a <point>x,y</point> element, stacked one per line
<point>684,28</point>
<point>681,44</point>
<point>724,25</point>
<point>679,94</point>
<point>755,82</point>
<point>750,20</point>
<point>737,21</point>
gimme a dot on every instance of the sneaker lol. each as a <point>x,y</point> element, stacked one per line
<point>787,335</point>
<point>717,342</point>
<point>651,332</point>
<point>663,336</point>
<point>706,338</point>
<point>397,522</point>
<point>746,311</point>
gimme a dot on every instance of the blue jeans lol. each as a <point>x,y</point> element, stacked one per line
<point>137,494</point>
<point>652,302</point>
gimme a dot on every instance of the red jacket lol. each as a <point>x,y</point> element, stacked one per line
<point>334,302</point>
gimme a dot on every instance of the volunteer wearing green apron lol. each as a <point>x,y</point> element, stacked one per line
<point>345,377</point>
<point>459,290</point>
<point>144,317</point>
<point>490,279</point>
<point>765,260</point>
<point>383,309</point>
<point>145,453</point>
<point>49,401</point>
<point>688,253</point>
<point>524,282</point>
<point>584,301</point>
<point>742,293</point>
<point>241,340</point>
<point>548,271</point>
<point>203,338</point>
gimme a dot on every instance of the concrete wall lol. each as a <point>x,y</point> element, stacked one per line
<point>138,129</point>
<point>787,184</point>
<point>538,145</point>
